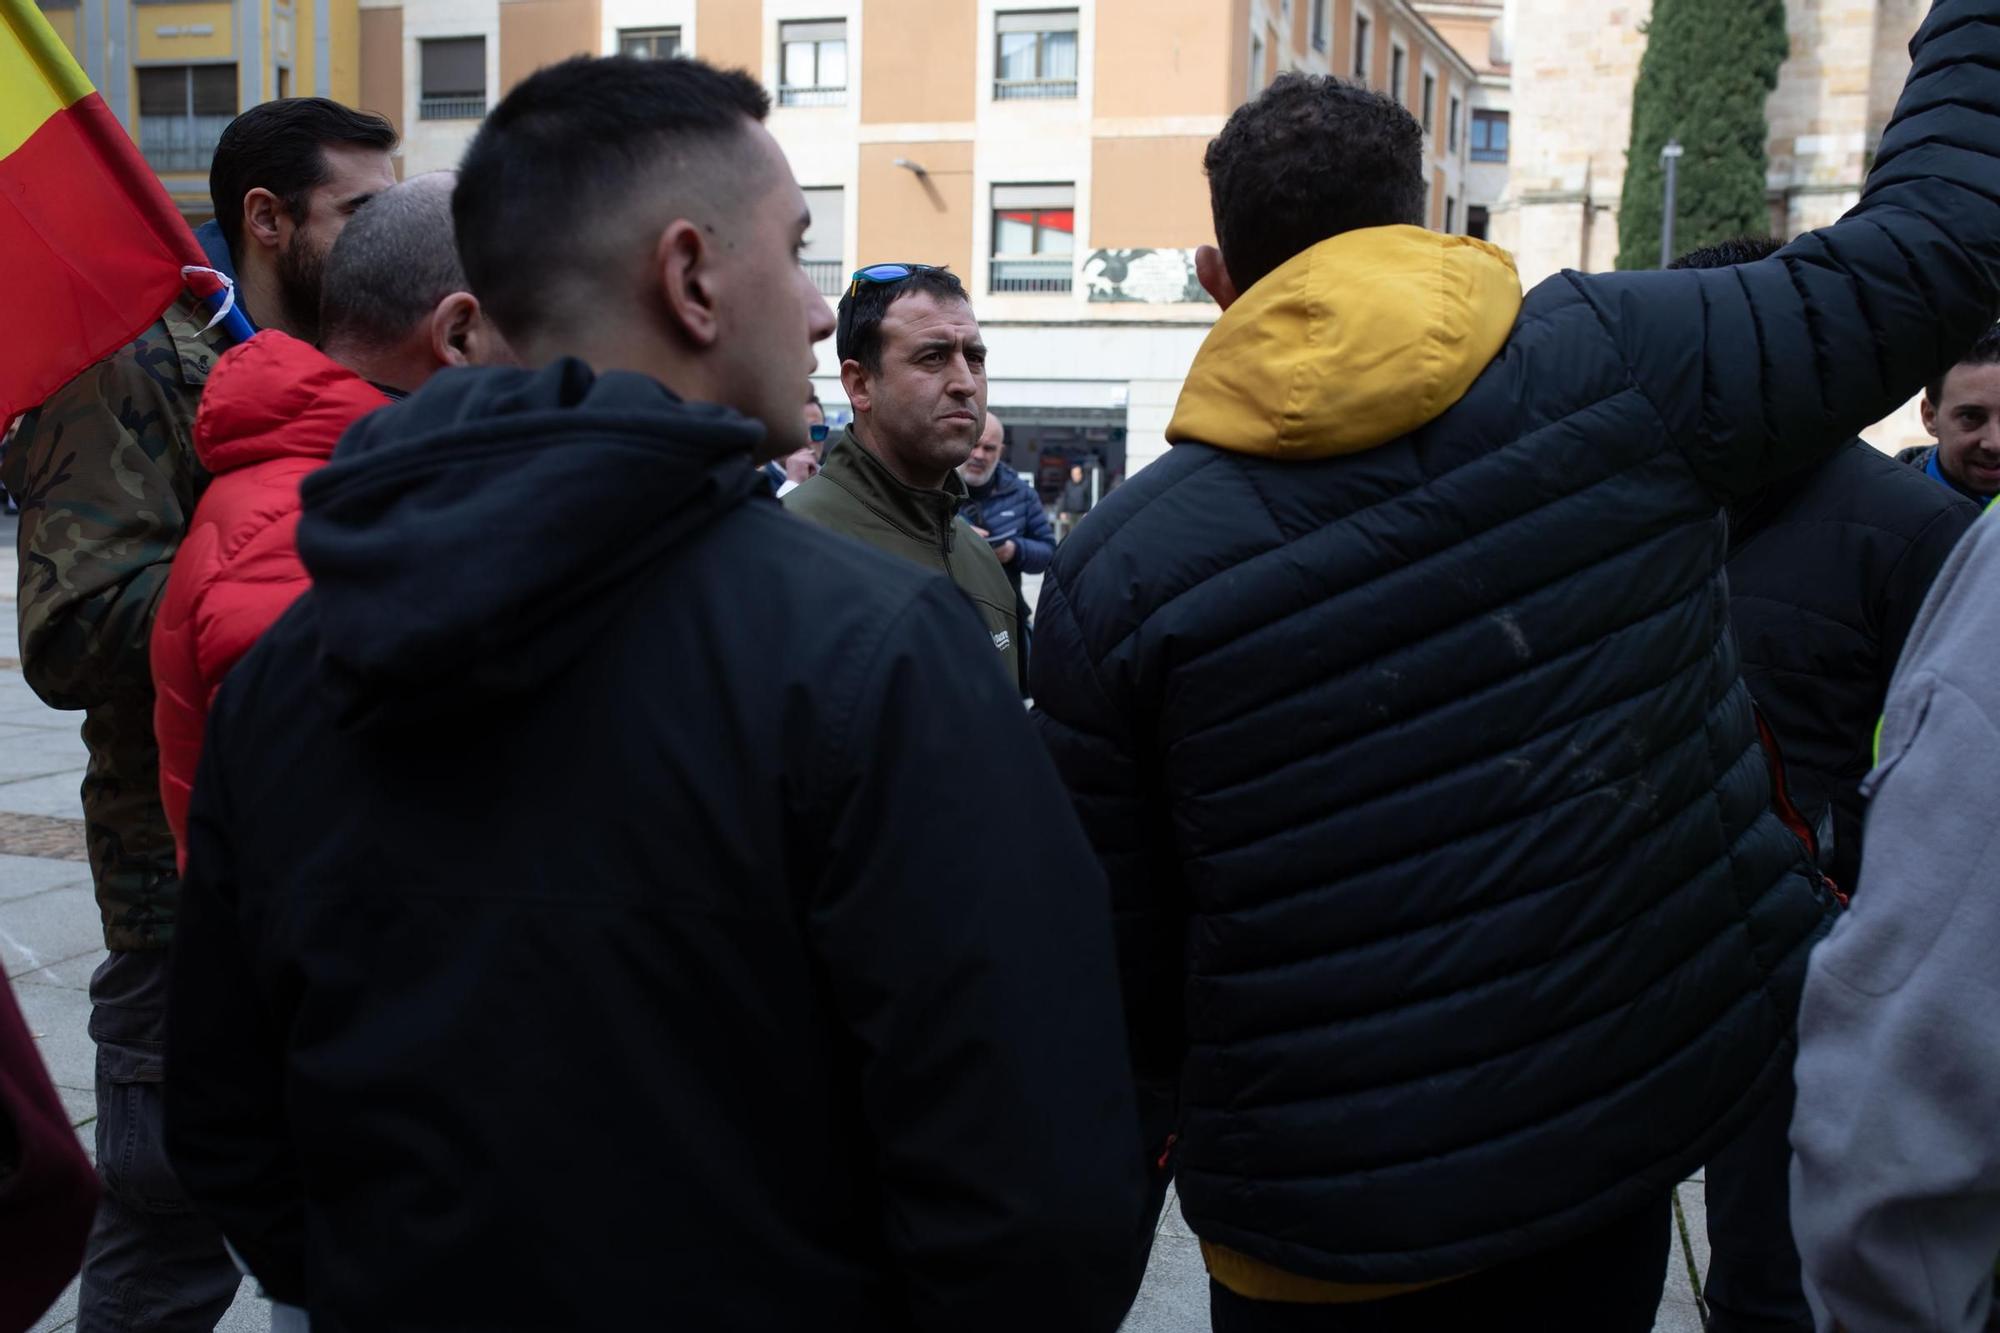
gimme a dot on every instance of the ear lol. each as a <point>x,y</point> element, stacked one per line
<point>1929,413</point>
<point>263,212</point>
<point>458,336</point>
<point>684,265</point>
<point>1213,275</point>
<point>854,379</point>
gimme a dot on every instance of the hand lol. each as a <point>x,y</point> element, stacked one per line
<point>981,531</point>
<point>1006,551</point>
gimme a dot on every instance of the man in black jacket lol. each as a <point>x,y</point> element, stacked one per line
<point>1400,701</point>
<point>575,935</point>
<point>1828,567</point>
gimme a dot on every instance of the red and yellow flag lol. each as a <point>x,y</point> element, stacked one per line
<point>91,245</point>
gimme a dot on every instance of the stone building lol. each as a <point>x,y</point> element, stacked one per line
<point>1574,66</point>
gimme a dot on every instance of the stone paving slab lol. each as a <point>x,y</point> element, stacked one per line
<point>49,927</point>
<point>249,1313</point>
<point>56,795</point>
<point>45,837</point>
<point>21,875</point>
<point>58,1018</point>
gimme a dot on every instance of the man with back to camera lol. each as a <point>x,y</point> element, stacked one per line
<point>586,906</point>
<point>1401,703</point>
<point>1828,567</point>
<point>1961,410</point>
<point>106,475</point>
<point>914,367</point>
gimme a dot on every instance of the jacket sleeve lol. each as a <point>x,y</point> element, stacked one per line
<point>1114,783</point>
<point>1903,592</point>
<point>978,990</point>
<point>1761,369</point>
<point>1896,1174</point>
<point>225,1104</point>
<point>105,483</point>
<point>1038,537</point>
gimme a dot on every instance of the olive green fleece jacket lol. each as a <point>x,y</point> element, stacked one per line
<point>854,494</point>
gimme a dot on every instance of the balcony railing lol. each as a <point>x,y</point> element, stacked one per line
<point>791,96</point>
<point>826,275</point>
<point>451,108</point>
<point>1033,90</point>
<point>1041,276</point>
<point>180,143</point>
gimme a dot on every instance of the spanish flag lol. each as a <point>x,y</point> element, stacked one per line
<point>93,247</point>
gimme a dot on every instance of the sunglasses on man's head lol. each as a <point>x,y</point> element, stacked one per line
<point>874,275</point>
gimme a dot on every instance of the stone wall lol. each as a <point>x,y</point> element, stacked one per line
<point>1575,62</point>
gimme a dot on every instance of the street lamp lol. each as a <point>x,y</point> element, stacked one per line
<point>1670,161</point>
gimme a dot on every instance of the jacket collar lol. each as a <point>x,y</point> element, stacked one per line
<point>276,397</point>
<point>925,515</point>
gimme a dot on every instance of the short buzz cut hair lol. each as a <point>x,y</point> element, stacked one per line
<point>1311,158</point>
<point>1730,253</point>
<point>1985,352</point>
<point>863,308</point>
<point>562,171</point>
<point>392,265</point>
<point>281,147</point>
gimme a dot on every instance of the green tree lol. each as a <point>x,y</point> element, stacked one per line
<point>1708,68</point>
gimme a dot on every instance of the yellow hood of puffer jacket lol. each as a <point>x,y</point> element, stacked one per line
<point>1351,344</point>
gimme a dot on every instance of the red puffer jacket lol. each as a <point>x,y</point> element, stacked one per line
<point>271,413</point>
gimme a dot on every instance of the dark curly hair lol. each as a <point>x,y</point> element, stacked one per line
<point>1311,158</point>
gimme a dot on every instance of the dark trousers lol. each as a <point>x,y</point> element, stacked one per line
<point>1608,1281</point>
<point>1753,1283</point>
<point>153,1265</point>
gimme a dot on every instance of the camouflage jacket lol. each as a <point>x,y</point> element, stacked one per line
<point>106,476</point>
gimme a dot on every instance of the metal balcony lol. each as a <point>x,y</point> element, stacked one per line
<point>1033,90</point>
<point>1046,277</point>
<point>451,108</point>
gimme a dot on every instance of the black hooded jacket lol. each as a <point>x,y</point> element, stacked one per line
<point>1827,570</point>
<point>576,931</point>
<point>1401,704</point>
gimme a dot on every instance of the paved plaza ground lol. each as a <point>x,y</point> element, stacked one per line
<point>50,942</point>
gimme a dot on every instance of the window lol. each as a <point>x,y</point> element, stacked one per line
<point>1399,69</point>
<point>1322,21</point>
<point>1256,84</point>
<point>1489,136</point>
<point>1034,236</point>
<point>814,72</point>
<point>1451,128</point>
<point>454,78</point>
<point>1430,103</point>
<point>284,82</point>
<point>1477,221</point>
<point>1360,49</point>
<point>1036,55</point>
<point>1450,214</point>
<point>649,43</point>
<point>826,244</point>
<point>183,110</point>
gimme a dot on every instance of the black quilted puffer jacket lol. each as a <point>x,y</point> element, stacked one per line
<point>1401,703</point>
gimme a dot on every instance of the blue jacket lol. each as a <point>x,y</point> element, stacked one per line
<point>1008,507</point>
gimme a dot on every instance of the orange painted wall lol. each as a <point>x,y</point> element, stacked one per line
<point>920,220</point>
<point>1150,193</point>
<point>921,61</point>
<point>382,63</point>
<point>730,34</point>
<point>534,33</point>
